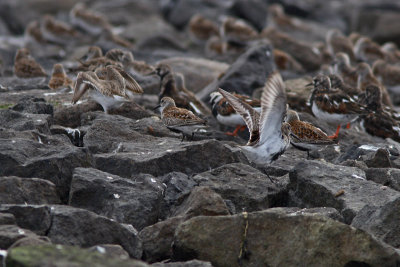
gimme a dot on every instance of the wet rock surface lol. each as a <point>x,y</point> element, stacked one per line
<point>84,187</point>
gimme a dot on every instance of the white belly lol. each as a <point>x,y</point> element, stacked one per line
<point>334,119</point>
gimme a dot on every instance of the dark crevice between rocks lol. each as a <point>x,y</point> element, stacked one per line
<point>75,135</point>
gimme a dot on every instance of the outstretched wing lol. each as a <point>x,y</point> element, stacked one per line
<point>273,107</point>
<point>80,88</point>
<point>248,113</point>
<point>131,83</point>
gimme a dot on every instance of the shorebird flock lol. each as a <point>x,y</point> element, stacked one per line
<point>349,84</point>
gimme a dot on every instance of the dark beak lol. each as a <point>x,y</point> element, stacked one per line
<point>157,107</point>
<point>309,84</point>
<point>154,72</point>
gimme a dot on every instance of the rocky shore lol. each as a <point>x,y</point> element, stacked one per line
<point>81,187</point>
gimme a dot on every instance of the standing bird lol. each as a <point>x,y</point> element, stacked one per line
<point>25,65</point>
<point>332,106</point>
<point>389,74</point>
<point>201,28</point>
<point>56,31</point>
<point>108,92</point>
<point>269,135</point>
<point>59,78</point>
<point>343,68</point>
<point>337,42</point>
<point>227,115</point>
<point>306,136</point>
<point>179,119</point>
<point>337,83</point>
<point>92,22</point>
<point>93,52</point>
<point>368,51</point>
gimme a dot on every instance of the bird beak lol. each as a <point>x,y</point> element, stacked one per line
<point>157,107</point>
<point>309,84</point>
<point>151,73</point>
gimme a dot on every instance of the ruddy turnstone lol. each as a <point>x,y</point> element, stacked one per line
<point>179,119</point>
<point>367,50</point>
<point>182,96</point>
<point>269,135</point>
<point>306,136</point>
<point>366,77</point>
<point>343,68</point>
<point>337,83</point>
<point>108,93</point>
<point>25,65</point>
<point>332,106</point>
<point>227,115</point>
<point>201,28</point>
<point>57,31</point>
<point>337,42</point>
<point>59,78</point>
<point>389,74</point>
<point>377,121</point>
<point>92,22</point>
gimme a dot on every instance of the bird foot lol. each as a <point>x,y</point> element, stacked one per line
<point>348,126</point>
<point>235,132</point>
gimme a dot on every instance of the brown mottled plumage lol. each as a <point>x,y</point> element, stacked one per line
<point>25,65</point>
<point>233,29</point>
<point>202,28</point>
<point>284,61</point>
<point>59,78</point>
<point>337,42</point>
<point>56,31</point>
<point>93,52</point>
<point>92,22</point>
<point>343,68</point>
<point>367,50</point>
<point>337,83</point>
<point>389,74</point>
<point>33,33</point>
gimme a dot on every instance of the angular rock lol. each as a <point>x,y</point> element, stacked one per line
<point>166,156</point>
<point>110,250</point>
<point>36,218</point>
<point>26,158</point>
<point>323,211</point>
<point>135,201</point>
<point>385,176</point>
<point>130,110</point>
<point>246,74</point>
<point>16,190</point>
<point>246,188</point>
<point>15,83</point>
<point>374,155</point>
<point>17,121</point>
<point>157,239</point>
<point>319,184</point>
<point>381,222</point>
<point>11,233</point>
<point>59,256</point>
<point>202,201</point>
<point>253,11</point>
<point>73,226</point>
<point>7,218</point>
<point>262,239</point>
<point>31,241</point>
<point>192,263</point>
<point>33,105</point>
<point>70,116</point>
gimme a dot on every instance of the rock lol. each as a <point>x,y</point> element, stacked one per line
<point>202,201</point>
<point>323,211</point>
<point>253,11</point>
<point>31,241</point>
<point>33,105</point>
<point>7,218</point>
<point>73,226</point>
<point>374,155</point>
<point>11,233</point>
<point>17,121</point>
<point>74,135</point>
<point>246,74</point>
<point>379,160</point>
<point>157,239</point>
<point>385,176</point>
<point>246,188</point>
<point>35,218</point>
<point>130,110</point>
<point>192,263</point>
<point>115,251</point>
<point>381,222</point>
<point>319,184</point>
<point>26,158</point>
<point>260,238</point>
<point>71,116</point>
<point>60,256</point>
<point>17,84</point>
<point>198,72</point>
<point>169,155</point>
<point>135,201</point>
<point>28,190</point>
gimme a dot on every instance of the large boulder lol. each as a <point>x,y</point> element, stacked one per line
<point>17,121</point>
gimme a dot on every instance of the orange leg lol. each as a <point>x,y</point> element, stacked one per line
<point>234,133</point>
<point>336,134</point>
<point>348,126</point>
<point>243,128</point>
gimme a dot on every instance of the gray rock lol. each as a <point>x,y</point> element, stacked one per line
<point>261,239</point>
<point>7,218</point>
<point>246,74</point>
<point>71,116</point>
<point>166,156</point>
<point>36,218</point>
<point>60,256</point>
<point>285,162</point>
<point>323,211</point>
<point>31,241</point>
<point>11,233</point>
<point>253,11</point>
<point>319,184</point>
<point>135,201</point>
<point>246,188</point>
<point>385,176</point>
<point>192,263</point>
<point>202,201</point>
<point>373,155</point>
<point>157,239</point>
<point>381,222</point>
<point>73,226</point>
<point>20,84</point>
<point>17,121</point>
<point>33,105</point>
<point>115,251</point>
<point>27,190</point>
<point>26,158</point>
